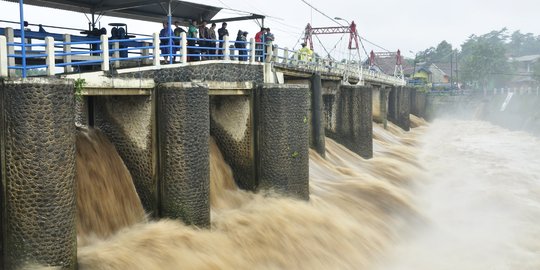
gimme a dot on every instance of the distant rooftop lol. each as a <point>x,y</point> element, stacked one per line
<point>527,58</point>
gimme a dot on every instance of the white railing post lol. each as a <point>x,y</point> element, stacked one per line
<point>286,56</point>
<point>226,51</point>
<point>67,50</point>
<point>269,52</point>
<point>145,52</point>
<point>184,44</point>
<point>156,50</point>
<point>116,54</point>
<point>10,38</point>
<point>104,53</point>
<point>275,54</point>
<point>252,49</point>
<point>3,57</point>
<point>50,60</point>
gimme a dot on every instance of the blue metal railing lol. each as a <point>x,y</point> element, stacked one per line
<point>93,51</point>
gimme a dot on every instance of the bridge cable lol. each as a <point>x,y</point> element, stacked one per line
<point>329,56</point>
<point>322,13</point>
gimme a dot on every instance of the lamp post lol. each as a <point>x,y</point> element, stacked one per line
<point>341,19</point>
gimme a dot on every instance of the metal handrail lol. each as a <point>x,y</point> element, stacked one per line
<point>115,51</point>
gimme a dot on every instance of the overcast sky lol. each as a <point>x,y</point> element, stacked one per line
<point>412,25</point>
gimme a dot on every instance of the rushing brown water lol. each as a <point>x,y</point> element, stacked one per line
<point>357,208</point>
<point>106,198</point>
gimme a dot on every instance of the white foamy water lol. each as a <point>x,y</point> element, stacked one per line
<point>481,199</point>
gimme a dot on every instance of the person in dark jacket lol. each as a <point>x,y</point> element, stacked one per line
<point>164,41</point>
<point>222,32</point>
<point>241,40</point>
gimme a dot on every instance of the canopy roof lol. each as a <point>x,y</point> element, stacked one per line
<point>146,10</point>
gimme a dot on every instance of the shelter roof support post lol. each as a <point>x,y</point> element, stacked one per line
<point>23,41</point>
<point>169,30</point>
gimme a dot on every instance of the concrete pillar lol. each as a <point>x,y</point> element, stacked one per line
<point>184,129</point>
<point>398,107</point>
<point>283,139</point>
<point>37,139</point>
<point>317,135</point>
<point>353,120</point>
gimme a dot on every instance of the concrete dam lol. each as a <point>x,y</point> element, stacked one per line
<point>246,166</point>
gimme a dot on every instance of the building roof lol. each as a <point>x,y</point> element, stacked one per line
<point>145,10</point>
<point>527,58</point>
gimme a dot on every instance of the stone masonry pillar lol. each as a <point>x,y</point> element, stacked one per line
<point>37,139</point>
<point>317,135</point>
<point>283,138</point>
<point>184,130</point>
<point>354,125</point>
<point>399,107</point>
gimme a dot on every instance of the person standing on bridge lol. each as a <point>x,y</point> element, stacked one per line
<point>203,42</point>
<point>164,41</point>
<point>305,53</point>
<point>259,44</point>
<point>222,32</point>
<point>212,37</point>
<point>268,39</point>
<point>192,35</point>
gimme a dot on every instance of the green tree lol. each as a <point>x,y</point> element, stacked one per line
<point>483,59</point>
<point>443,52</point>
<point>523,44</point>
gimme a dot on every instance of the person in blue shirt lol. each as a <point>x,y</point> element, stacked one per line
<point>164,42</point>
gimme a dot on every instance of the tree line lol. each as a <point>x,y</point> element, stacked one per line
<point>483,60</point>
